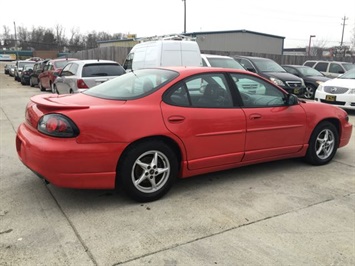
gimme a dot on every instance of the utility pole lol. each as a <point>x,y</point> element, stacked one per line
<point>15,36</point>
<point>184,15</point>
<point>342,35</point>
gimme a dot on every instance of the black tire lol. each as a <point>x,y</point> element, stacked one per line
<point>309,92</point>
<point>54,89</point>
<point>145,165</point>
<point>41,88</point>
<point>323,144</point>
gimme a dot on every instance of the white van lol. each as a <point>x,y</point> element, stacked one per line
<point>163,53</point>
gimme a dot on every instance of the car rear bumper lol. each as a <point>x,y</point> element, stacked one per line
<point>65,163</point>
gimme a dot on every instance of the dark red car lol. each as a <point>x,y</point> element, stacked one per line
<point>143,129</point>
<point>51,68</point>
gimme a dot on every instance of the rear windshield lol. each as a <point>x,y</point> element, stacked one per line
<point>98,70</point>
<point>61,64</point>
<point>133,85</point>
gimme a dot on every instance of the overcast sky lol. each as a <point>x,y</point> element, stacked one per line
<point>294,20</point>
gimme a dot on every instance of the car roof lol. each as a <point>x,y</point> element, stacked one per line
<point>215,56</point>
<point>95,61</point>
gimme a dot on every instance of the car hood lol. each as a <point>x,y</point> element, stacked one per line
<point>281,75</point>
<point>349,83</point>
<point>317,78</point>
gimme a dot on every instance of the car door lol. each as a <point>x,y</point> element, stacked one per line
<point>199,110</point>
<point>63,81</point>
<point>273,128</point>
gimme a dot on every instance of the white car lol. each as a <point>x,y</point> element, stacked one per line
<point>339,91</point>
<point>77,76</point>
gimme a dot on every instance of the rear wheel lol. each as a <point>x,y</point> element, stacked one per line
<point>147,170</point>
<point>323,144</point>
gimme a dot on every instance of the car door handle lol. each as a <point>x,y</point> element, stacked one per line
<point>254,116</point>
<point>176,119</point>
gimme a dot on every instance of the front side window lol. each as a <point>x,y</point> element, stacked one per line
<point>205,90</point>
<point>256,92</point>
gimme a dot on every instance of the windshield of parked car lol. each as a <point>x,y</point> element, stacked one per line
<point>225,62</point>
<point>348,74</point>
<point>133,85</point>
<point>349,66</point>
<point>268,66</point>
<point>309,71</point>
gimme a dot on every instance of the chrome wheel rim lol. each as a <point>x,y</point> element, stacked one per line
<point>325,144</point>
<point>308,93</point>
<point>150,171</point>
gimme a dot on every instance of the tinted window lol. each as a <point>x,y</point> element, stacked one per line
<point>310,64</point>
<point>321,67</point>
<point>98,70</point>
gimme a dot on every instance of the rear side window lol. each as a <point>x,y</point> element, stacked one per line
<point>310,64</point>
<point>98,70</point>
<point>321,67</point>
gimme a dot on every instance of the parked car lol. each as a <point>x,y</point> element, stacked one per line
<point>12,70</point>
<point>26,74</point>
<point>37,69</point>
<point>211,60</point>
<point>311,77</point>
<point>19,66</point>
<point>331,69</point>
<point>50,71</point>
<point>141,130</point>
<point>338,91</point>
<point>7,68</point>
<point>271,70</point>
<point>78,76</point>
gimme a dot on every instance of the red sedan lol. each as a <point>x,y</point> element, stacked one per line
<point>144,129</point>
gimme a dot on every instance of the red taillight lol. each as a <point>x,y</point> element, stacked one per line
<point>81,84</point>
<point>57,125</point>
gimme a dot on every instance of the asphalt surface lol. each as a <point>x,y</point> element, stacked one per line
<point>279,213</point>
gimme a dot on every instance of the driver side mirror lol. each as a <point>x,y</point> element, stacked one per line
<point>291,99</point>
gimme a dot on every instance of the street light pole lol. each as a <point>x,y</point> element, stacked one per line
<point>309,44</point>
<point>184,16</point>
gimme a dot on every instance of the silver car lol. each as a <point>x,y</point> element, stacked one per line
<point>80,75</point>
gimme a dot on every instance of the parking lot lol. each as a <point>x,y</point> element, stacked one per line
<point>279,213</point>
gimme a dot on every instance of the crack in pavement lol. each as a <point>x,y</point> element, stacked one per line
<point>232,228</point>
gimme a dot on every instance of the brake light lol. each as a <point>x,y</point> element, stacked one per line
<point>81,84</point>
<point>57,125</point>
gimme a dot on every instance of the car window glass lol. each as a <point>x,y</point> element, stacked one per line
<point>206,90</point>
<point>256,92</point>
<point>246,64</point>
<point>321,66</point>
<point>133,85</point>
<point>335,68</point>
<point>66,71</point>
<point>74,68</point>
<point>98,70</point>
<point>291,70</point>
<point>310,63</point>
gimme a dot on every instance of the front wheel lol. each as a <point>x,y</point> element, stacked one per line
<point>309,92</point>
<point>323,144</point>
<point>147,170</point>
